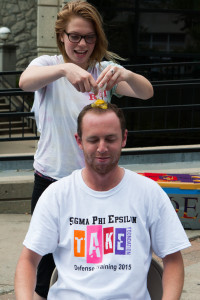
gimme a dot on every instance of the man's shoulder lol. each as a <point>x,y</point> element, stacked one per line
<point>139,178</point>
<point>135,175</point>
<point>61,189</point>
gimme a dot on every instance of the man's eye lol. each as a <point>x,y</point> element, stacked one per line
<point>92,141</point>
<point>111,140</point>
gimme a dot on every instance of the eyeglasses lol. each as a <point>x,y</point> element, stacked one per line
<point>76,38</point>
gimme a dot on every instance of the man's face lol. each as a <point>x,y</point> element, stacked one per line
<point>101,141</point>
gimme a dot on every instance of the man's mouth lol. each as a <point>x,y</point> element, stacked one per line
<point>102,158</point>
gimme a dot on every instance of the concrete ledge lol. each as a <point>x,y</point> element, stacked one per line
<point>160,155</point>
<point>15,193</point>
<point>17,175</point>
<point>16,162</point>
<point>21,206</point>
<point>15,190</point>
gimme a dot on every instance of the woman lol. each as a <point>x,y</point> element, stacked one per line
<point>63,85</point>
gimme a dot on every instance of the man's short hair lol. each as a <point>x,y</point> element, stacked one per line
<point>98,110</point>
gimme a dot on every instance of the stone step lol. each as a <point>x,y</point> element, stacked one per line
<point>14,131</point>
<point>16,192</point>
<point>5,111</point>
<point>15,124</point>
<point>2,100</point>
<point>4,106</point>
<point>7,119</point>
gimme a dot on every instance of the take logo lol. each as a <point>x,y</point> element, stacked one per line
<point>96,241</point>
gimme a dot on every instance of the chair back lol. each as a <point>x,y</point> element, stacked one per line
<point>54,277</point>
<point>154,280</point>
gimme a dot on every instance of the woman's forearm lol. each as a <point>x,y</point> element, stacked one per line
<point>140,85</point>
<point>36,77</point>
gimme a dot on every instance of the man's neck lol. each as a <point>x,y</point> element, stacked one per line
<point>102,182</point>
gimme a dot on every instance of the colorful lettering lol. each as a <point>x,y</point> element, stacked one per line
<point>92,97</point>
<point>96,241</point>
<point>120,241</point>
<point>108,240</point>
<point>176,204</point>
<point>128,241</point>
<point>94,244</point>
<point>187,207</point>
<point>79,243</point>
<point>186,200</point>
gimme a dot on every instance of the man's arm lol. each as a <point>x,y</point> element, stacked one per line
<point>173,276</point>
<point>25,276</point>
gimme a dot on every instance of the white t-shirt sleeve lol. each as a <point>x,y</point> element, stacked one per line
<point>43,234</point>
<point>43,60</point>
<point>167,233</point>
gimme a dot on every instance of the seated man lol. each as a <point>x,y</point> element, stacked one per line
<point>102,223</point>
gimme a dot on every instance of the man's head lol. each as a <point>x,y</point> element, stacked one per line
<point>101,135</point>
<point>99,111</point>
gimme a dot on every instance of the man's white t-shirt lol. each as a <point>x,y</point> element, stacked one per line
<point>56,109</point>
<point>102,242</point>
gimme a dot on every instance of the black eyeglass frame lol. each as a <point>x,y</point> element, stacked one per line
<point>81,37</point>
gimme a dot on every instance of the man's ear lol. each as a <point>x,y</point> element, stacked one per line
<point>124,138</point>
<point>78,140</point>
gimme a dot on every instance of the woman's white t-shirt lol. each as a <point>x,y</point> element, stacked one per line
<point>56,109</point>
<point>102,242</point>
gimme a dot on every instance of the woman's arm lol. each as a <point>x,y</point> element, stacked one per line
<point>36,77</point>
<point>173,276</point>
<point>25,276</point>
<point>129,83</point>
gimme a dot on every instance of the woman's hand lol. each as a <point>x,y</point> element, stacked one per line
<point>110,76</point>
<point>80,78</point>
<point>129,83</point>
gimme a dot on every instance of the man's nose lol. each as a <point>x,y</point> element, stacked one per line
<point>102,147</point>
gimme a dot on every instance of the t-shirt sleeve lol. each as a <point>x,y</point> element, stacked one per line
<point>43,60</point>
<point>43,233</point>
<point>167,233</point>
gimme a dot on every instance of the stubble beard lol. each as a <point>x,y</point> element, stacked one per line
<point>102,169</point>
